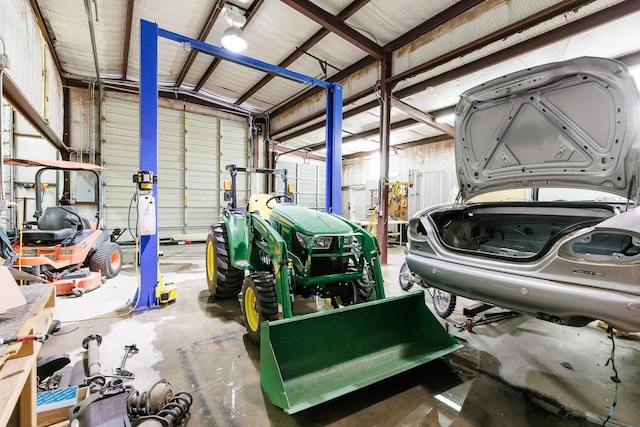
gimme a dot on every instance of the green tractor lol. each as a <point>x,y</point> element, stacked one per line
<point>274,251</point>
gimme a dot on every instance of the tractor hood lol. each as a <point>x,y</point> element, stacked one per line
<point>566,124</point>
<point>308,221</point>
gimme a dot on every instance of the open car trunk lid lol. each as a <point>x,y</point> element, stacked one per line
<point>566,124</point>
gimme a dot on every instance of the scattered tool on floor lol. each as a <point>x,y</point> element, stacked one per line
<point>290,251</point>
<point>91,344</point>
<point>480,307</point>
<point>20,338</point>
<point>121,372</point>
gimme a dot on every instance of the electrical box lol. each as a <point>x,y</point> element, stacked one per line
<point>146,215</point>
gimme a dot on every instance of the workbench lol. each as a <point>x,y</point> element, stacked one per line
<point>18,360</point>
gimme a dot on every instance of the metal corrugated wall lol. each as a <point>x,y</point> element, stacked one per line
<point>309,181</point>
<point>234,138</point>
<point>191,150</point>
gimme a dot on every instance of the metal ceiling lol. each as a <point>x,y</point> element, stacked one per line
<point>438,49</point>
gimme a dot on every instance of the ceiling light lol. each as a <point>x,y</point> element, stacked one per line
<point>233,39</point>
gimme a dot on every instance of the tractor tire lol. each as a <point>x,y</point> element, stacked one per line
<point>443,302</point>
<point>107,259</point>
<point>223,279</point>
<point>259,302</point>
<point>364,289</point>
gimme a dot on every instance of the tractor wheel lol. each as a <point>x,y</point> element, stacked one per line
<point>259,302</point>
<point>443,302</point>
<point>223,279</point>
<point>107,259</point>
<point>404,277</point>
<point>364,289</point>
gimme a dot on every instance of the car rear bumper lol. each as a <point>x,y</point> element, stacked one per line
<point>566,303</point>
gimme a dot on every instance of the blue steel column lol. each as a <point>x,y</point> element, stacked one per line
<point>149,155</point>
<point>333,200</point>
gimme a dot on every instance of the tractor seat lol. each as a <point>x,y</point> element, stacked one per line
<point>258,202</point>
<point>55,224</point>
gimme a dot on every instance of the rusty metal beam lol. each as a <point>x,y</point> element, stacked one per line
<point>315,126</point>
<point>348,11</point>
<point>510,30</point>
<point>284,150</point>
<point>127,39</point>
<point>404,145</point>
<point>45,34</point>
<point>420,116</point>
<point>21,103</point>
<point>502,33</point>
<point>368,60</point>
<point>204,33</point>
<point>359,135</point>
<point>407,37</point>
<point>433,23</point>
<point>251,12</point>
<point>337,26</point>
<point>576,27</point>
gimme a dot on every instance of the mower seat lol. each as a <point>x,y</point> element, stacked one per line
<point>55,224</point>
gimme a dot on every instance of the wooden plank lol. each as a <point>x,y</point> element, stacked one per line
<point>18,363</point>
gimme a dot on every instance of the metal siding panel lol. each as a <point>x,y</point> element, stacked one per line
<point>202,175</point>
<point>120,157</point>
<point>234,138</point>
<point>310,183</point>
<point>170,197</point>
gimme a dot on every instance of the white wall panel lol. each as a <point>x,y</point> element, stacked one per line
<point>234,137</point>
<point>192,150</point>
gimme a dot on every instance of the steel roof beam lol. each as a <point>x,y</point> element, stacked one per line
<point>571,29</point>
<point>204,33</point>
<point>251,12</point>
<point>420,116</point>
<point>510,30</point>
<point>127,39</point>
<point>337,26</point>
<point>407,37</point>
<point>402,146</point>
<point>319,35</point>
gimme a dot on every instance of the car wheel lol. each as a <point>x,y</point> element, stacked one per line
<point>405,277</point>
<point>443,302</point>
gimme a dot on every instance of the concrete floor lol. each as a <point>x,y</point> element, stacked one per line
<point>521,371</point>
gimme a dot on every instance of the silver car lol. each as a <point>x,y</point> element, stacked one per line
<point>561,238</point>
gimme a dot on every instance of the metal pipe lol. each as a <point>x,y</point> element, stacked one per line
<point>91,344</point>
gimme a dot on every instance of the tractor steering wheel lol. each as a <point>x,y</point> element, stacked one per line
<point>278,197</point>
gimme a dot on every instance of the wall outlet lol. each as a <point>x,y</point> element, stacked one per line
<point>4,61</point>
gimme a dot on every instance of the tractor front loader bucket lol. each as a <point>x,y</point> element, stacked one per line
<point>310,359</point>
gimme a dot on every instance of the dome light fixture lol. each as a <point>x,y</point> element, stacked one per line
<point>233,39</point>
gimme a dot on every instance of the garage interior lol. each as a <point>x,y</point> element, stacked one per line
<point>73,90</point>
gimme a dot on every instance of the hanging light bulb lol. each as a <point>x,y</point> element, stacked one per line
<point>233,39</point>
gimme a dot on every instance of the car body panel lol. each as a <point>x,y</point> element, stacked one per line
<point>566,124</point>
<point>570,125</point>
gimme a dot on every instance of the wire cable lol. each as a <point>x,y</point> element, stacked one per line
<point>132,306</point>
<point>616,380</point>
<point>19,214</point>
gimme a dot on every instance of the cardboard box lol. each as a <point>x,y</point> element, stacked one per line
<point>53,406</point>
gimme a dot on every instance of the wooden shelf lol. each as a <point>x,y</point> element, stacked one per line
<point>18,360</point>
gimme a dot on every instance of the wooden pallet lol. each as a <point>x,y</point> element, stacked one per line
<point>18,360</point>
